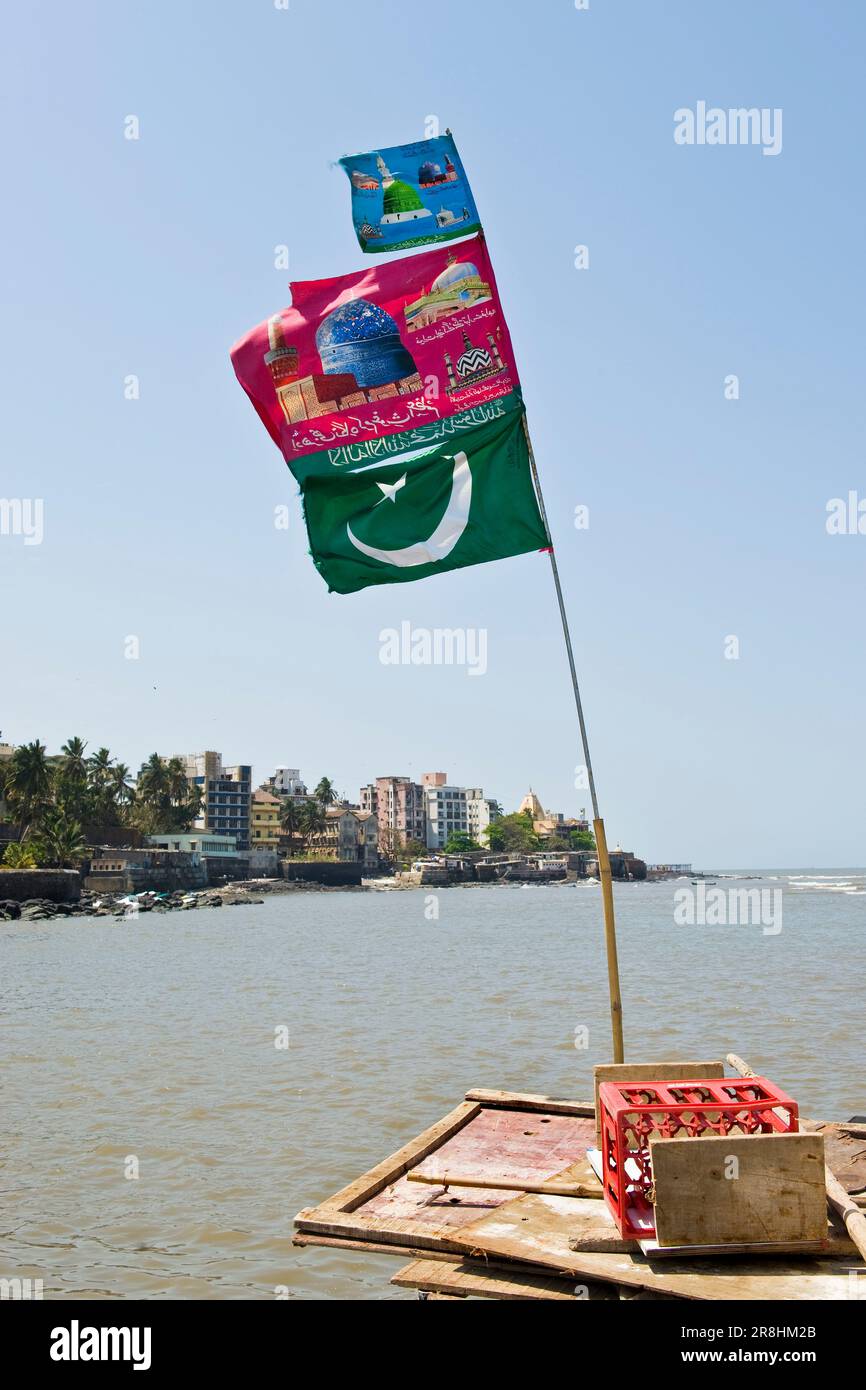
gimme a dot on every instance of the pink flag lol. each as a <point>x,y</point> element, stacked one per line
<point>399,346</point>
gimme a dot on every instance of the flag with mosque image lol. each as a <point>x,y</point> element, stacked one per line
<point>410,195</point>
<point>399,347</point>
<point>394,397</point>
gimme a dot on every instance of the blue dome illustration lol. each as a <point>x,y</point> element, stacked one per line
<point>360,338</point>
<point>458,270</point>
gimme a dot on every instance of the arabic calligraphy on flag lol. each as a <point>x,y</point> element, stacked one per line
<point>403,346</point>
<point>410,195</point>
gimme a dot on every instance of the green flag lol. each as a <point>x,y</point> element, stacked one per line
<point>439,507</point>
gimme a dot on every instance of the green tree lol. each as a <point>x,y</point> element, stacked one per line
<point>459,842</point>
<point>28,784</point>
<point>122,790</point>
<point>513,834</point>
<point>413,849</point>
<point>325,793</point>
<point>59,842</point>
<point>581,839</point>
<point>19,856</point>
<point>71,790</point>
<point>312,821</point>
<point>290,819</point>
<point>164,799</point>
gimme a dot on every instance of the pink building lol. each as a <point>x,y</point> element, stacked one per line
<point>398,804</point>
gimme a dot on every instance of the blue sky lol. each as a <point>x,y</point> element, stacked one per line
<point>707,516</point>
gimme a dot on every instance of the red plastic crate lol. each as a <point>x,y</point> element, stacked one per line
<point>632,1111</point>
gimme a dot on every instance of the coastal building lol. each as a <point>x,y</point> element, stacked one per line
<point>550,824</point>
<point>349,836</point>
<point>264,820</point>
<point>196,843</point>
<point>286,781</point>
<point>398,805</point>
<point>450,810</point>
<point>226,795</point>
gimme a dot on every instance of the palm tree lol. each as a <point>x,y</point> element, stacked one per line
<point>324,793</point>
<point>74,761</point>
<point>59,841</point>
<point>121,787</point>
<point>72,791</point>
<point>312,821</point>
<point>152,779</point>
<point>291,818</point>
<point>28,783</point>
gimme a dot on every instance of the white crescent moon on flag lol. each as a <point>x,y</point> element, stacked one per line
<point>447,533</point>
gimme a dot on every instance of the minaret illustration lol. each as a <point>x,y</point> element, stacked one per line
<point>384,172</point>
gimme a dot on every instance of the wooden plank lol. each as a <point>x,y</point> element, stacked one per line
<point>751,1248</point>
<point>733,1189</point>
<point>837,1194</point>
<point>521,1100</point>
<point>537,1229</point>
<point>561,1187</point>
<point>651,1071</point>
<point>463,1279</point>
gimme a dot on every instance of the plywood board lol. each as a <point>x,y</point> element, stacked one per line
<point>652,1071</point>
<point>732,1189</point>
<point>464,1279</point>
<point>537,1229</point>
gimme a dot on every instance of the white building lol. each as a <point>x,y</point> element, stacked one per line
<point>286,781</point>
<point>453,809</point>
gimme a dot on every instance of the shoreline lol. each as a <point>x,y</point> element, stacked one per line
<point>243,893</point>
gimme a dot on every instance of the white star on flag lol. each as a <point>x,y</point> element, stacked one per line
<point>390,490</point>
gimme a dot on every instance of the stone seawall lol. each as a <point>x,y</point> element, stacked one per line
<point>55,885</point>
<point>333,872</point>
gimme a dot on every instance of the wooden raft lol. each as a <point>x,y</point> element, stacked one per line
<point>536,1138</point>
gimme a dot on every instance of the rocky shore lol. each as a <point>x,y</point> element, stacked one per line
<point>130,905</point>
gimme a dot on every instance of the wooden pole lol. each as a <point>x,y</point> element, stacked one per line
<point>551,1189</point>
<point>604,872</point>
<point>837,1197</point>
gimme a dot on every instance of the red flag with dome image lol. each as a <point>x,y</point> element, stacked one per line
<point>397,349</point>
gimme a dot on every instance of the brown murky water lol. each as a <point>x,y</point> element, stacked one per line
<point>154,1041</point>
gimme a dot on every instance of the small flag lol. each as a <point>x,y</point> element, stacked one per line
<point>410,195</point>
<point>396,349</point>
<point>463,501</point>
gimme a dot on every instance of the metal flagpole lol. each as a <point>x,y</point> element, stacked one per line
<point>598,823</point>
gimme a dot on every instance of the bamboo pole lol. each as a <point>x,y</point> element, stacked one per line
<point>550,1189</point>
<point>837,1197</point>
<point>604,872</point>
